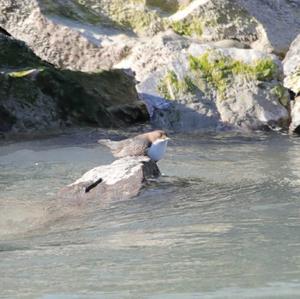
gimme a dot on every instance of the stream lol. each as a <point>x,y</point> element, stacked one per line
<point>223,221</point>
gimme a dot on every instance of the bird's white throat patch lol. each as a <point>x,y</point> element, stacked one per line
<point>157,149</point>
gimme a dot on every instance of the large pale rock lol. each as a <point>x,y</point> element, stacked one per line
<point>295,116</point>
<point>246,92</point>
<point>86,35</point>
<point>266,25</point>
<point>63,34</point>
<point>279,23</point>
<point>121,180</point>
<point>151,54</point>
<point>291,66</point>
<point>210,20</point>
<point>89,35</point>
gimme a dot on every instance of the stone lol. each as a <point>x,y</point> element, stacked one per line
<point>278,20</point>
<point>295,116</point>
<point>89,35</point>
<point>213,20</point>
<point>121,180</point>
<point>291,66</point>
<point>35,96</point>
<point>193,86</point>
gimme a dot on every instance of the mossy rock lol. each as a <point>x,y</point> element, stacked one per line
<point>219,70</point>
<point>188,27</point>
<point>33,92</point>
<point>95,98</point>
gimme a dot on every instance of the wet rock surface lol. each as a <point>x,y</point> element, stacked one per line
<point>121,180</point>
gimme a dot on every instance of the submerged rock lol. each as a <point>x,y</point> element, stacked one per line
<point>121,180</point>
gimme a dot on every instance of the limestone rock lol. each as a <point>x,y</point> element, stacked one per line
<point>208,87</point>
<point>90,35</point>
<point>279,23</point>
<point>291,65</point>
<point>63,33</point>
<point>211,20</point>
<point>86,35</point>
<point>295,116</point>
<point>121,180</point>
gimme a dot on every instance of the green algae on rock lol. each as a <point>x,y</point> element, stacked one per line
<point>219,69</point>
<point>214,20</point>
<point>127,15</point>
<point>216,87</point>
<point>170,86</point>
<point>188,28</point>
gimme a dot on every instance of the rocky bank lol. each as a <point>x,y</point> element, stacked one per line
<point>34,95</point>
<point>199,65</point>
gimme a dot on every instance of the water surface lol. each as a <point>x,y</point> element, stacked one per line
<point>223,222</point>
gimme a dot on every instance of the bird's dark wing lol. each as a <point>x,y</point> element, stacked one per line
<point>133,147</point>
<point>129,147</point>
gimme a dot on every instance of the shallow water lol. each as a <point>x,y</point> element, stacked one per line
<point>223,222</point>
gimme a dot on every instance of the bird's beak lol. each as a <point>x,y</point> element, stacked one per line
<point>167,138</point>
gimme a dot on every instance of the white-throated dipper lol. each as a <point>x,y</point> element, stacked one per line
<point>152,144</point>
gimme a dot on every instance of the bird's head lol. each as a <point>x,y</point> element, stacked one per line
<point>158,135</point>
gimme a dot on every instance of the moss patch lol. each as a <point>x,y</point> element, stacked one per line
<point>170,87</point>
<point>188,27</point>
<point>131,14</point>
<point>138,20</point>
<point>219,70</point>
<point>281,93</point>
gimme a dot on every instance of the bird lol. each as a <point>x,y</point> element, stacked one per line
<point>152,144</point>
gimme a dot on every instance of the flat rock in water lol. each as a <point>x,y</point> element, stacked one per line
<point>121,180</point>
